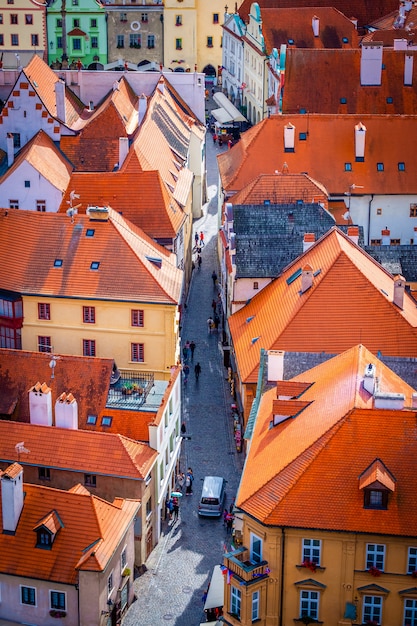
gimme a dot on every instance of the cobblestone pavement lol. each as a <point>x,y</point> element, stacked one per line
<point>180,567</point>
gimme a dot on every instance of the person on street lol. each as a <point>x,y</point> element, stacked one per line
<point>214,278</point>
<point>181,481</point>
<point>199,261</point>
<point>202,239</point>
<point>196,238</point>
<point>175,508</point>
<point>210,324</point>
<point>192,348</point>
<point>186,371</point>
<point>197,371</point>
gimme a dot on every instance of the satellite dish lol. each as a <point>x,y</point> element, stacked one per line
<point>74,195</point>
<point>346,216</point>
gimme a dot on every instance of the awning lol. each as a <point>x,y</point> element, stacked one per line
<point>233,114</point>
<point>222,116</point>
<point>215,595</point>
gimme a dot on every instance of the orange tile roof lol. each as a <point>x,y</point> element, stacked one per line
<point>42,80</point>
<point>281,187</point>
<point>42,154</point>
<point>30,268</point>
<point>86,521</point>
<point>351,300</point>
<point>105,454</point>
<point>141,197</point>
<point>377,473</point>
<point>329,145</point>
<point>337,437</point>
<point>304,91</point>
<point>363,12</point>
<point>281,24</point>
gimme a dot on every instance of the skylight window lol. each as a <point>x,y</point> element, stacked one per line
<point>92,419</point>
<point>348,167</point>
<point>389,100</point>
<point>296,274</point>
<point>90,232</point>
<point>58,263</point>
<point>106,420</point>
<point>302,136</point>
<point>95,265</point>
<point>401,166</point>
<point>343,100</point>
<point>380,167</point>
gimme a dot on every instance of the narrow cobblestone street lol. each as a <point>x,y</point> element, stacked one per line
<point>180,567</point>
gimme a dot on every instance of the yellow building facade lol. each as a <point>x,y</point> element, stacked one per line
<point>22,32</point>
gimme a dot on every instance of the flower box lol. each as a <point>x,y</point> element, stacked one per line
<point>374,571</point>
<point>56,613</point>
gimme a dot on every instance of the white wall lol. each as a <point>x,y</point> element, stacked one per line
<point>395,215</point>
<point>14,188</point>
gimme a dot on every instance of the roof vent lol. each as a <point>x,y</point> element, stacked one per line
<point>369,378</point>
<point>98,213</point>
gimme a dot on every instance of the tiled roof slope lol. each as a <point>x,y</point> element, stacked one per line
<point>140,196</point>
<point>364,12</point>
<point>304,91</point>
<point>87,378</point>
<point>281,25</point>
<point>338,436</point>
<point>103,454</point>
<point>126,271</point>
<point>268,238</point>
<point>329,145</point>
<point>400,28</point>
<point>42,154</point>
<point>96,148</point>
<point>281,187</point>
<point>42,80</point>
<point>402,259</point>
<point>86,521</point>
<point>351,300</point>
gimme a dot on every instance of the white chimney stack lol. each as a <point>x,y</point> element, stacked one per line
<point>399,288</point>
<point>123,149</point>
<point>11,497</point>
<point>143,105</point>
<point>289,136</point>
<point>371,63</point>
<point>353,233</point>
<point>369,379</point>
<point>60,100</point>
<point>40,405</point>
<point>275,365</point>
<point>360,134</point>
<point>408,69</point>
<point>66,412</point>
<point>316,26</point>
<point>308,240</point>
<point>10,149</point>
<point>306,278</point>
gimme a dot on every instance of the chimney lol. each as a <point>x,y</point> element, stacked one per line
<point>228,211</point>
<point>289,137</point>
<point>391,401</point>
<point>60,100</point>
<point>414,400</point>
<point>275,365</point>
<point>143,105</point>
<point>399,288</point>
<point>40,405</point>
<point>371,63</point>
<point>306,278</point>
<point>316,26</point>
<point>11,497</point>
<point>66,412</point>
<point>360,134</point>
<point>385,234</point>
<point>123,149</point>
<point>98,213</point>
<point>10,149</point>
<point>408,69</point>
<point>400,44</point>
<point>353,233</point>
<point>369,379</point>
<point>309,239</point>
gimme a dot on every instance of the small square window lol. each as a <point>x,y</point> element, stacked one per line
<point>90,480</point>
<point>1,18</point>
<point>44,311</point>
<point>137,317</point>
<point>58,598</point>
<point>379,211</point>
<point>93,23</point>
<point>44,344</point>
<point>413,210</point>
<point>28,595</point>
<point>376,242</point>
<point>58,263</point>
<point>106,420</point>
<point>95,265</point>
<point>215,18</point>
<point>76,23</point>
<point>343,100</point>
<point>380,167</point>
<point>44,473</point>
<point>14,18</point>
<point>27,183</point>
<point>90,232</point>
<point>178,20</point>
<point>89,314</point>
<point>256,285</point>
<point>209,42</point>
<point>345,40</point>
<point>178,44</point>
<point>348,167</point>
<point>389,100</point>
<point>303,111</point>
<point>92,419</point>
<point>89,347</point>
<point>137,352</point>
<point>401,166</point>
<point>302,136</point>
<point>13,204</point>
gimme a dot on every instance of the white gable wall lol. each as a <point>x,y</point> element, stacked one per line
<point>13,188</point>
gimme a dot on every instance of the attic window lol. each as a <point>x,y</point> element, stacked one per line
<point>302,136</point>
<point>291,42</point>
<point>375,499</point>
<point>345,40</point>
<point>44,539</point>
<point>27,183</point>
<point>401,166</point>
<point>106,420</point>
<point>303,111</point>
<point>95,265</point>
<point>343,100</point>
<point>58,263</point>
<point>92,419</point>
<point>380,167</point>
<point>90,232</point>
<point>389,100</point>
<point>348,167</point>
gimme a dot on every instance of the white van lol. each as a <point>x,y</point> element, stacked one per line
<point>213,496</point>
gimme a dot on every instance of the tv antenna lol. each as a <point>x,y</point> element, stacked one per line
<point>52,364</point>
<point>20,448</point>
<point>73,210</point>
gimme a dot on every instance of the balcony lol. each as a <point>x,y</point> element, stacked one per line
<point>129,389</point>
<point>238,562</point>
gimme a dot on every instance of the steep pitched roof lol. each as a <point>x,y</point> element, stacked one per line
<point>329,145</point>
<point>363,12</point>
<point>279,188</point>
<point>91,530</point>
<point>331,95</point>
<point>350,300</point>
<point>279,25</point>
<point>42,154</point>
<point>140,196</point>
<point>298,453</point>
<point>42,80</point>
<point>145,271</point>
<point>106,454</point>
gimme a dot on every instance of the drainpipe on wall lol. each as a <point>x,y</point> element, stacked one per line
<point>281,590</point>
<point>369,219</point>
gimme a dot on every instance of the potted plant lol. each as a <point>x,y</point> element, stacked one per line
<point>374,571</point>
<point>126,571</point>
<point>127,388</point>
<point>310,564</point>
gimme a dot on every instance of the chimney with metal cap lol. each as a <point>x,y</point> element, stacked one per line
<point>309,239</point>
<point>353,233</point>
<point>40,404</point>
<point>316,26</point>
<point>11,497</point>
<point>306,278</point>
<point>399,288</point>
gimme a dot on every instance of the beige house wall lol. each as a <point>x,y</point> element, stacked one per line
<point>141,20</point>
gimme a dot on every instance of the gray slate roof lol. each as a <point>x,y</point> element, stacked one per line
<point>396,259</point>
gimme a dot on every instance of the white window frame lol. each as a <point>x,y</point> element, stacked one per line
<point>235,601</point>
<point>372,608</point>
<point>309,603</point>
<point>255,605</point>
<point>412,560</point>
<point>375,556</point>
<point>410,612</point>
<point>311,551</point>
<point>51,591</point>
<point>110,584</point>
<point>255,555</point>
<point>21,595</point>
<point>123,558</point>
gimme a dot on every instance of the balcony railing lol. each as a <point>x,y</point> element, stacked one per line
<point>238,563</point>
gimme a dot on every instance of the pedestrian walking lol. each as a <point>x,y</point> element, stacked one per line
<point>186,371</point>
<point>180,481</point>
<point>189,478</point>
<point>170,507</point>
<point>196,238</point>
<point>216,322</point>
<point>229,144</point>
<point>175,508</point>
<point>183,428</point>
<point>199,261</point>
<point>210,324</point>
<point>197,371</point>
<point>214,306</point>
<point>214,278</point>
<point>229,523</point>
<point>192,348</point>
<point>202,239</point>
<point>212,91</point>
<point>214,137</point>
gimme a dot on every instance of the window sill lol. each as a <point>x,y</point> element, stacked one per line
<point>317,568</point>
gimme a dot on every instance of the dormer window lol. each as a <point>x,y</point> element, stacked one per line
<point>375,499</point>
<point>47,529</point>
<point>44,539</point>
<point>377,482</point>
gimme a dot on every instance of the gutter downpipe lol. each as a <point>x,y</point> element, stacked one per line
<point>281,591</point>
<point>369,218</point>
